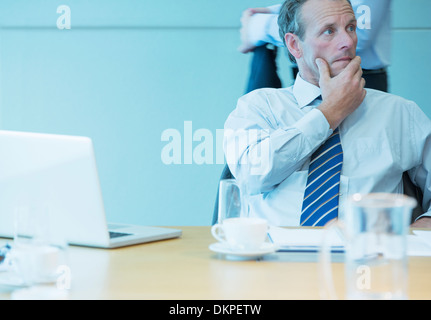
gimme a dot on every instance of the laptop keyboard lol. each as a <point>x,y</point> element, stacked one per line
<point>117,234</point>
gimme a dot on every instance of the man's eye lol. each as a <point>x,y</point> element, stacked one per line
<point>328,31</point>
<point>352,28</point>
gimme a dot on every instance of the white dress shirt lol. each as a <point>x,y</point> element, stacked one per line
<point>374,31</point>
<point>272,133</point>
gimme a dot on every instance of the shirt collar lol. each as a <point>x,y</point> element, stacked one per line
<point>305,92</point>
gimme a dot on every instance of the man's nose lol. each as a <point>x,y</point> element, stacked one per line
<point>346,40</point>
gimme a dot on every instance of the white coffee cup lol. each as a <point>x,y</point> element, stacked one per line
<point>36,264</point>
<point>241,233</point>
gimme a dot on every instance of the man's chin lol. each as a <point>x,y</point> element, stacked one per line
<point>339,66</point>
<point>336,71</point>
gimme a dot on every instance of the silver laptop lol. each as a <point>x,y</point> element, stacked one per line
<point>60,173</point>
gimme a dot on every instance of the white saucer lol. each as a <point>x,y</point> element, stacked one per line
<point>9,281</point>
<point>224,248</point>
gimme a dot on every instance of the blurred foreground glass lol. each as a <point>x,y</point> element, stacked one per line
<point>232,200</point>
<point>39,251</point>
<point>374,229</point>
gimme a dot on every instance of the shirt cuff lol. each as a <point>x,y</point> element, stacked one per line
<point>314,126</point>
<point>275,9</point>
<point>257,28</point>
<point>425,215</point>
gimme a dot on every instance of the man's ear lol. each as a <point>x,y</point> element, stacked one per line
<point>293,45</point>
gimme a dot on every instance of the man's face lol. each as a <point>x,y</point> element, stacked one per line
<point>330,33</point>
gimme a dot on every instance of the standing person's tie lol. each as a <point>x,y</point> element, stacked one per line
<point>321,195</point>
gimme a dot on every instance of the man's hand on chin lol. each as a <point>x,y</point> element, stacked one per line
<point>341,94</point>
<point>424,222</point>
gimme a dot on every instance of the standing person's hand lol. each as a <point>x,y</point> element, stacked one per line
<point>246,45</point>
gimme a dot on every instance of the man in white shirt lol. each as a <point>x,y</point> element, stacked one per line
<point>271,135</point>
<point>259,27</point>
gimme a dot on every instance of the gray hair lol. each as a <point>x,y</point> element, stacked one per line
<point>289,21</point>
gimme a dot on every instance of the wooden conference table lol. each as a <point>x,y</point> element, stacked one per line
<point>185,268</point>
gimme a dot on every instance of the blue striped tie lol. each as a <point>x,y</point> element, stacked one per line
<point>320,203</point>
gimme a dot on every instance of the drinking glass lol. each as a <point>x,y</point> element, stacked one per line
<point>374,230</point>
<point>233,201</point>
<point>39,251</point>
<point>230,200</point>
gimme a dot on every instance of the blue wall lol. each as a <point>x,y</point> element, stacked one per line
<point>129,72</point>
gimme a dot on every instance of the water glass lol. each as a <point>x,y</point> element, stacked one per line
<point>230,200</point>
<point>39,251</point>
<point>374,230</point>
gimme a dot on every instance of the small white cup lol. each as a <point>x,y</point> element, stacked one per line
<point>39,247</point>
<point>36,264</point>
<point>241,233</point>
